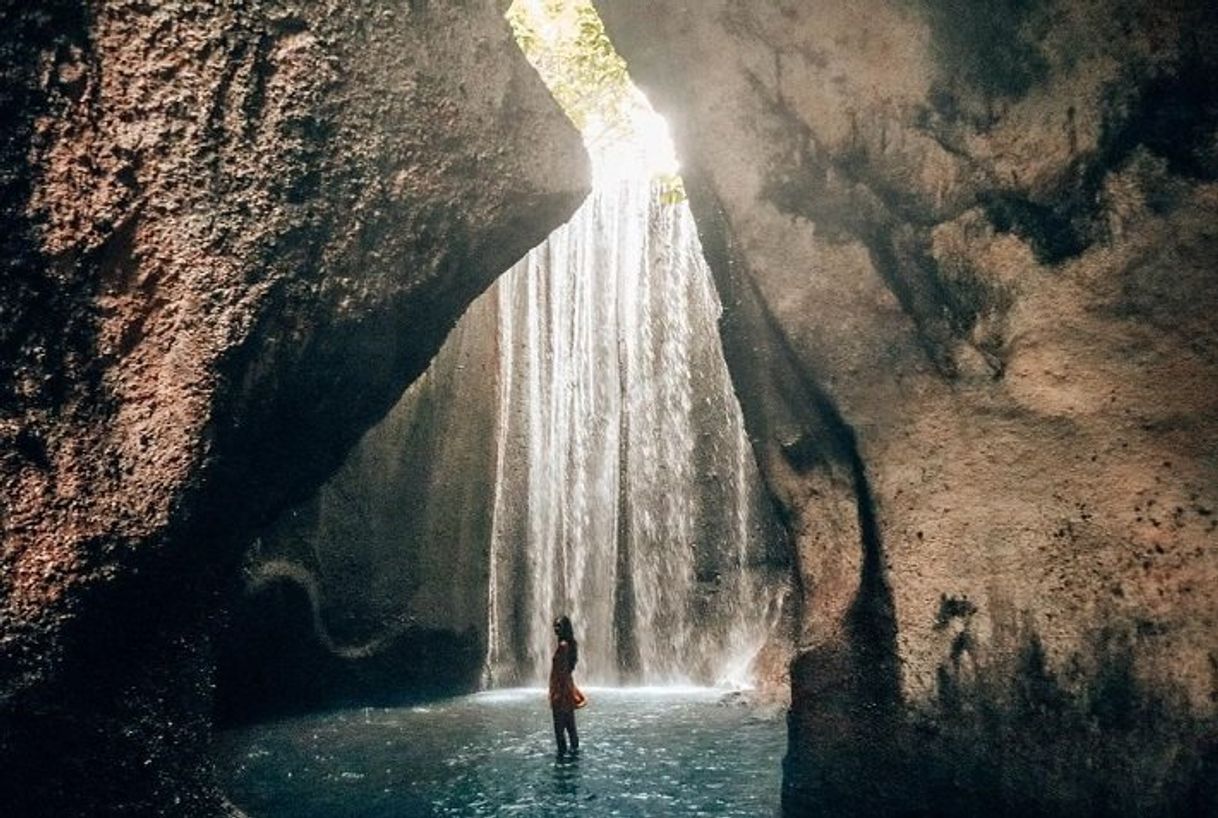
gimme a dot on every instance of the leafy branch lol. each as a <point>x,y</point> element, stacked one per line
<point>567,44</point>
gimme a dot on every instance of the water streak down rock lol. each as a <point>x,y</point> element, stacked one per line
<point>232,233</point>
<point>966,258</point>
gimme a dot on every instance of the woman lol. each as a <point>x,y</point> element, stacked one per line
<point>565,697</point>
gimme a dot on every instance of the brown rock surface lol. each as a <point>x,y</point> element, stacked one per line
<point>967,257</point>
<point>232,233</point>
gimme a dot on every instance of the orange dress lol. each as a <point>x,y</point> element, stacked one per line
<point>564,695</point>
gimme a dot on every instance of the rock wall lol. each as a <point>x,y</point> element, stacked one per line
<point>375,589</point>
<point>966,253</point>
<point>232,234</point>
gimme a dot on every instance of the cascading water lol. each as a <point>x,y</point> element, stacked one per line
<point>626,496</point>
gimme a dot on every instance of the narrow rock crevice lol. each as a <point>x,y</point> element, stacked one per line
<point>846,662</point>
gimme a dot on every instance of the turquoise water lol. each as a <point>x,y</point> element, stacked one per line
<point>644,752</point>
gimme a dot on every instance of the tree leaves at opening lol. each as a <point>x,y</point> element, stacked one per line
<point>566,41</point>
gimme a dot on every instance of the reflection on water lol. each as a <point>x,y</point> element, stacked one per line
<point>566,778</point>
<point>655,752</point>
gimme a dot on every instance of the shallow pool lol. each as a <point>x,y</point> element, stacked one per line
<point>644,752</point>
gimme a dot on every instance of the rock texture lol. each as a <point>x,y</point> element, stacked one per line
<point>375,589</point>
<point>966,253</point>
<point>232,234</point>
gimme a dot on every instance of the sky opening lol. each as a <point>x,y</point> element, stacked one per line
<point>566,42</point>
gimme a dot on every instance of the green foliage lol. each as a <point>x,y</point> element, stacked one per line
<point>672,188</point>
<point>566,41</point>
<point>526,32</point>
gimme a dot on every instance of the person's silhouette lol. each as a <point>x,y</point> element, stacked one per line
<point>565,697</point>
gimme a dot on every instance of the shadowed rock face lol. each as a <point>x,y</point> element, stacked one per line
<point>375,589</point>
<point>231,234</point>
<point>966,253</point>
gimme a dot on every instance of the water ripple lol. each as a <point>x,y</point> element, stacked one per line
<point>644,753</point>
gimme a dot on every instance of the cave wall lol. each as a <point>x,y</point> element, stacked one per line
<point>374,590</point>
<point>232,234</point>
<point>966,253</point>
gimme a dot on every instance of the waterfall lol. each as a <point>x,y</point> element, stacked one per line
<point>626,496</point>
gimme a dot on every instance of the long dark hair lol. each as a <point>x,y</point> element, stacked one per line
<point>566,633</point>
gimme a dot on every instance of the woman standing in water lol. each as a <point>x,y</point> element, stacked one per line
<point>565,697</point>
